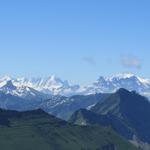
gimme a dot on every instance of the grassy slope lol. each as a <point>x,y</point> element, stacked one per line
<point>43,132</point>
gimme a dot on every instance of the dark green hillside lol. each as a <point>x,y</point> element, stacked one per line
<point>128,113</point>
<point>36,130</point>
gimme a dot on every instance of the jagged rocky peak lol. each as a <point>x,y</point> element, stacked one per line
<point>8,86</point>
<point>56,86</point>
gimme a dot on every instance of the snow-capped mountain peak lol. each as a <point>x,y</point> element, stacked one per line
<point>4,80</point>
<point>122,75</point>
<point>55,82</point>
<point>55,86</point>
<point>123,80</point>
<point>48,85</point>
<point>8,87</point>
<point>22,91</point>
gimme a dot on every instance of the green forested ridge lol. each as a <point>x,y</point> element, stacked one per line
<point>36,130</point>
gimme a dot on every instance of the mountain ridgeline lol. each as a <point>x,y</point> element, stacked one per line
<point>128,113</point>
<point>53,85</point>
<point>98,121</point>
<point>37,130</point>
<point>59,97</point>
<point>60,106</point>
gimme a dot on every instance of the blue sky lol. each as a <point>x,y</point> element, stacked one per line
<point>75,40</point>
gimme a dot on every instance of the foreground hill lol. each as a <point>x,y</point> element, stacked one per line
<point>36,130</point>
<point>128,113</point>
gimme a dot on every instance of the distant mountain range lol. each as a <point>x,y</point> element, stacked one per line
<point>60,106</point>
<point>59,97</point>
<point>105,102</point>
<point>52,85</point>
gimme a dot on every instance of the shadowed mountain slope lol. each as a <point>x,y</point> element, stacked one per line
<point>128,113</point>
<point>36,130</point>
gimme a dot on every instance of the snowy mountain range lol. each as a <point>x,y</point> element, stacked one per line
<point>32,86</point>
<point>61,98</point>
<point>111,84</point>
<point>52,85</point>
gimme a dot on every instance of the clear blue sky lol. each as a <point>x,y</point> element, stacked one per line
<point>74,39</point>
